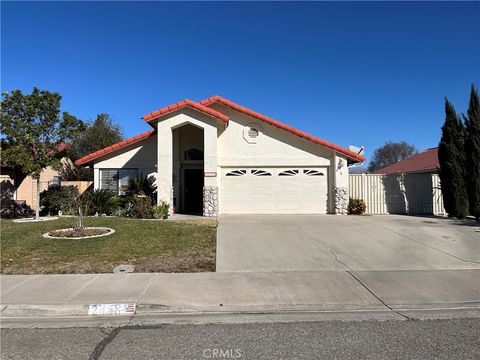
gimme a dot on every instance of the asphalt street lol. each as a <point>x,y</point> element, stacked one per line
<point>425,339</point>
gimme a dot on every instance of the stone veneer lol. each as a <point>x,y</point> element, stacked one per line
<point>171,207</point>
<point>341,200</point>
<point>210,201</point>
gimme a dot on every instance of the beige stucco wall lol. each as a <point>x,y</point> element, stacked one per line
<point>273,147</point>
<point>141,156</point>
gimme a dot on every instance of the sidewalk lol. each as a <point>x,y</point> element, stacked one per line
<point>400,293</point>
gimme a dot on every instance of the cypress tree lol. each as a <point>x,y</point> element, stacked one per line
<point>451,156</point>
<point>472,153</point>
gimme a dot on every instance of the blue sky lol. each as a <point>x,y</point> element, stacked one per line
<point>351,73</point>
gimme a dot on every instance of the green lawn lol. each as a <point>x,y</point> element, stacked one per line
<point>163,246</point>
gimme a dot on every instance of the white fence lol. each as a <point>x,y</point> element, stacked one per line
<point>398,193</point>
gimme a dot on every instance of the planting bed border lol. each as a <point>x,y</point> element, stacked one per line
<point>110,232</point>
<point>32,220</point>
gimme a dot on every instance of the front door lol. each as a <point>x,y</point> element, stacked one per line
<point>193,191</point>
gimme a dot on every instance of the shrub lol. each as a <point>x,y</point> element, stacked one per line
<point>356,207</point>
<point>141,185</point>
<point>99,201</point>
<point>160,211</point>
<point>141,207</point>
<point>58,198</point>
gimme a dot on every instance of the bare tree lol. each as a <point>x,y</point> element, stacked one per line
<point>391,153</point>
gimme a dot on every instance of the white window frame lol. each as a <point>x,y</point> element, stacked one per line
<point>119,181</point>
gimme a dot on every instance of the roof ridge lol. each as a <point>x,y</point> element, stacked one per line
<point>182,104</point>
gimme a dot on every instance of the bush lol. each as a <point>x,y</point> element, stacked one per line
<point>99,201</point>
<point>356,207</point>
<point>141,207</point>
<point>141,185</point>
<point>58,198</point>
<point>160,211</point>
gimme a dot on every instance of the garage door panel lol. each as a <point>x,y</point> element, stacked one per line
<point>288,188</point>
<point>267,205</point>
<point>288,205</point>
<point>264,190</point>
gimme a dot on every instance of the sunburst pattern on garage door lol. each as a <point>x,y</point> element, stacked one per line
<point>274,190</point>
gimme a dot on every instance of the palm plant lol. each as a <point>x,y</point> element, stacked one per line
<point>101,201</point>
<point>141,185</point>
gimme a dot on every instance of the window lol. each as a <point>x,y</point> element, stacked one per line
<point>312,172</point>
<point>288,173</point>
<point>123,177</point>
<point>236,173</point>
<point>114,179</point>
<point>109,180</point>
<point>260,173</point>
<point>252,133</point>
<point>193,154</point>
<point>56,181</point>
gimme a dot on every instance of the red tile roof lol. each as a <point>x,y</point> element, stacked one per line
<point>182,104</point>
<point>114,147</point>
<point>203,108</point>
<point>349,154</point>
<point>422,162</point>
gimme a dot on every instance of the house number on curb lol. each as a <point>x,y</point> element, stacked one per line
<point>111,309</point>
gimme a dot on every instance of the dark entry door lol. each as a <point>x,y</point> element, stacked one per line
<point>193,191</point>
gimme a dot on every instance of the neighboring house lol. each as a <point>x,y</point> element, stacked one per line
<point>410,186</point>
<point>424,162</point>
<point>217,157</point>
<point>15,186</point>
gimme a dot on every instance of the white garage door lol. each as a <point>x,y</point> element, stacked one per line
<point>274,190</point>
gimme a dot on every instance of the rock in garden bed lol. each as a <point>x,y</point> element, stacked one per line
<point>84,233</point>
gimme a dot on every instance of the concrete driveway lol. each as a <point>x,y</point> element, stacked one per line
<point>273,243</point>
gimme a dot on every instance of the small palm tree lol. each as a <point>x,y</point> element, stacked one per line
<point>141,185</point>
<point>99,201</point>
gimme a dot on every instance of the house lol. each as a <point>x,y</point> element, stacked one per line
<point>425,162</point>
<point>21,189</point>
<point>218,157</point>
<point>16,187</point>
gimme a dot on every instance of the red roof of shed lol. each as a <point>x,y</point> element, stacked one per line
<point>425,161</point>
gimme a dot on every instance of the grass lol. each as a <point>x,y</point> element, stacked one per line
<point>152,246</point>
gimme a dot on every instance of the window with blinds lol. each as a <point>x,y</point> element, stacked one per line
<point>115,179</point>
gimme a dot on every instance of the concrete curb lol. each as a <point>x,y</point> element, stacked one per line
<point>81,310</point>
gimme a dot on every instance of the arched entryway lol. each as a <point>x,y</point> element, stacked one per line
<point>188,169</point>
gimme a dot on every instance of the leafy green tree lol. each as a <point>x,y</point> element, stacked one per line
<point>34,131</point>
<point>451,155</point>
<point>390,153</point>
<point>97,135</point>
<point>472,152</point>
